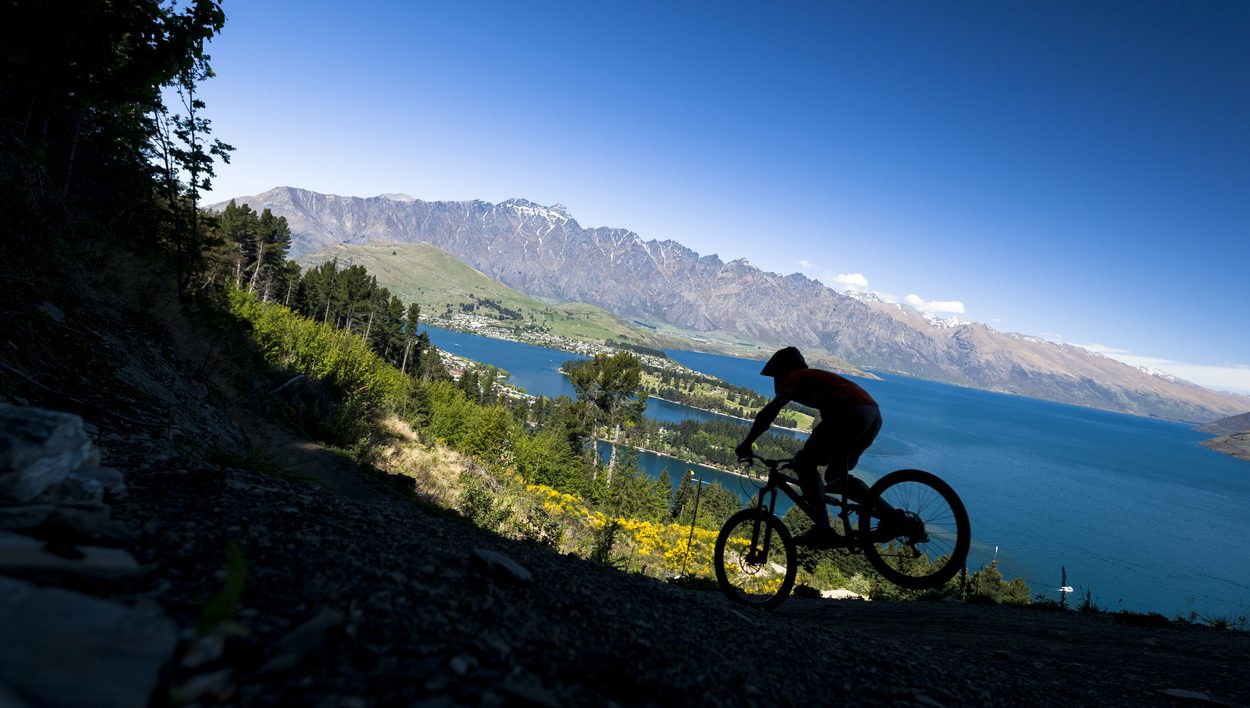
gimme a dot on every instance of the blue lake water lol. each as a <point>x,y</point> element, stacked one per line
<point>1138,512</point>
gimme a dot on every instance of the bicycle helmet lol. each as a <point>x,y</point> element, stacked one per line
<point>783,362</point>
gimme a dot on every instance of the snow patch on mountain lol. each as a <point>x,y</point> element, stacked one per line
<point>1029,338</point>
<point>554,214</point>
<point>865,296</point>
<point>1159,374</point>
<point>942,322</point>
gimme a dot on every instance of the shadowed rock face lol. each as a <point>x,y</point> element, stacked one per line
<point>543,252</point>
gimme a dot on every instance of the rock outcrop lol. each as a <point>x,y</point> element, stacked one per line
<point>60,646</point>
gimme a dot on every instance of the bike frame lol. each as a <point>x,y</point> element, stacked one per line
<point>744,555</point>
<point>779,481</point>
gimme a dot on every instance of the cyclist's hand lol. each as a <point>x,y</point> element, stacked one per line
<point>744,452</point>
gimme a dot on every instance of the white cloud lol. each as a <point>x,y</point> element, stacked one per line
<point>837,281</point>
<point>948,307</point>
<point>856,281</point>
<point>1223,378</point>
<point>1102,349</point>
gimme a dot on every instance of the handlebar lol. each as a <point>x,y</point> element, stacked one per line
<point>771,464</point>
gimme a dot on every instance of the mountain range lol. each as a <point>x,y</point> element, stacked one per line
<point>543,252</point>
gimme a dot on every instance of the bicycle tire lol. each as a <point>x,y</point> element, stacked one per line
<point>755,581</point>
<point>940,551</point>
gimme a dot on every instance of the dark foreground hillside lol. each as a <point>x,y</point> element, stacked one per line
<point>368,599</point>
<point>349,602</point>
<point>162,576</point>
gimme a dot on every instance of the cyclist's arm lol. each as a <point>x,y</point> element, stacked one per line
<point>763,420</point>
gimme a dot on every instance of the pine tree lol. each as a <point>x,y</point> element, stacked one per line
<point>410,334</point>
<point>611,384</point>
<point>683,494</point>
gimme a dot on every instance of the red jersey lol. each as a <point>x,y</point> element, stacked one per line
<point>822,390</point>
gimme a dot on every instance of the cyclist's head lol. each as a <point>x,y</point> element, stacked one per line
<point>783,362</point>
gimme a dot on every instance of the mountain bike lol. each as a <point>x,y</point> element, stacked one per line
<point>755,556</point>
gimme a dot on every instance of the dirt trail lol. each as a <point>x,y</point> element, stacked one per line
<point>308,461</point>
<point>1141,664</point>
<point>420,606</point>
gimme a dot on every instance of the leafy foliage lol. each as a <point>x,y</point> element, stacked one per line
<point>298,345</point>
<point>252,248</point>
<point>480,505</point>
<point>989,585</point>
<point>90,154</point>
<point>714,503</point>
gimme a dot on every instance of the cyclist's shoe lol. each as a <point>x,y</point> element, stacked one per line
<point>820,537</point>
<point>899,524</point>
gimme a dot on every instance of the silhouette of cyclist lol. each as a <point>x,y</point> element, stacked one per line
<point>849,422</point>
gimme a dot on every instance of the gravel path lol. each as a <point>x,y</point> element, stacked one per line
<point>354,603</point>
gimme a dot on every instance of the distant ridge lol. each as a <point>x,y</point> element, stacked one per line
<point>1228,426</point>
<point>543,252</point>
<point>1234,436</point>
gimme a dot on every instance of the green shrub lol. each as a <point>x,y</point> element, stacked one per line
<point>480,505</point>
<point>322,353</point>
<point>605,542</point>
<point>988,586</point>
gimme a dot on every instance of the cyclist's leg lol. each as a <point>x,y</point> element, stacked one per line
<point>813,491</point>
<point>860,426</point>
<point>850,485</point>
<point>814,454</point>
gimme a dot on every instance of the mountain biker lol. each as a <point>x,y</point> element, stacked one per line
<point>849,422</point>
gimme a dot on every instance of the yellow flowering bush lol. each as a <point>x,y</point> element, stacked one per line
<point>658,549</point>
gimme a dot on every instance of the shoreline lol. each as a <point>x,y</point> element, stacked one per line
<point>748,420</point>
<point>671,456</point>
<point>569,346</point>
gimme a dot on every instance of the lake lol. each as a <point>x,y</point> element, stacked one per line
<point>1140,514</point>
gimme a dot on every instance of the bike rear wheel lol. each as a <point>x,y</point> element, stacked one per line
<point>755,559</point>
<point>932,546</point>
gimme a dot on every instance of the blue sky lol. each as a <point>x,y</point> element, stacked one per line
<point>1079,171</point>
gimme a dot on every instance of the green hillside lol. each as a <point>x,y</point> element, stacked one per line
<point>447,289</point>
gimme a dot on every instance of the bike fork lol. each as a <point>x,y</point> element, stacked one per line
<point>762,553</point>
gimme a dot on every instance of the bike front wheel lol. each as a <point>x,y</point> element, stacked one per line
<point>932,545</point>
<point>755,559</point>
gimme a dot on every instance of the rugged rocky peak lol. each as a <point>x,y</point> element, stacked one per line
<point>527,208</point>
